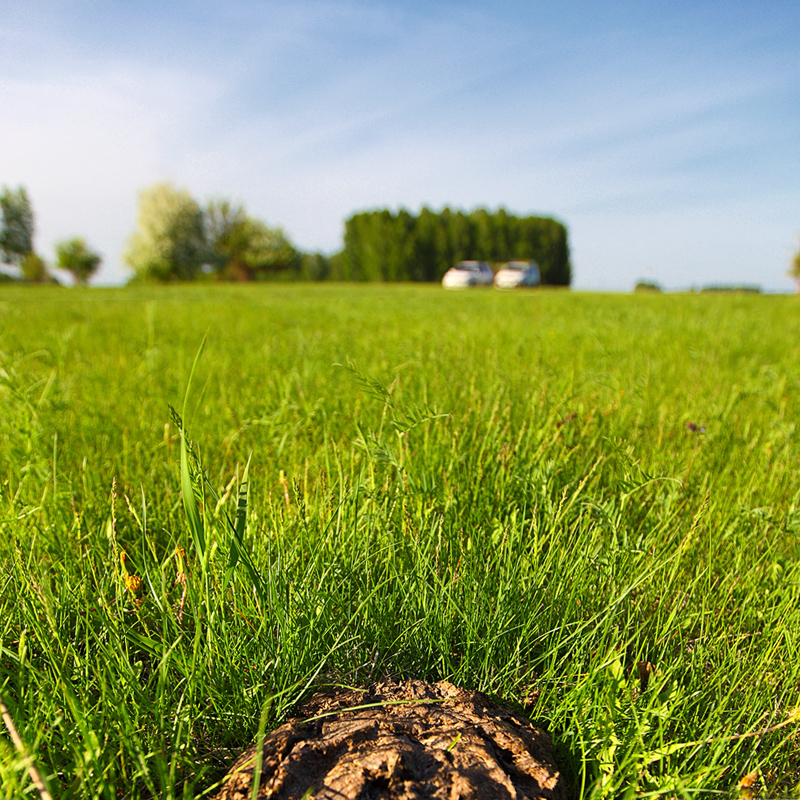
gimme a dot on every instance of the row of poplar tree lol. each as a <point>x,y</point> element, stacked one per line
<point>177,239</point>
<point>387,246</point>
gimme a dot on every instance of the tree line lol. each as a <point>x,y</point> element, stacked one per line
<point>178,239</point>
<point>386,246</point>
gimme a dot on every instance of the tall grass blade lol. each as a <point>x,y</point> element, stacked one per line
<point>193,516</point>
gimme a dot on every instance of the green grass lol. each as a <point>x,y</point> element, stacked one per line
<point>527,494</point>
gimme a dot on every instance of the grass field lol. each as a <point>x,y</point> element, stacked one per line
<point>586,506</point>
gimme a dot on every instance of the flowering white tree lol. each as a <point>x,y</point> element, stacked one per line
<point>169,243</point>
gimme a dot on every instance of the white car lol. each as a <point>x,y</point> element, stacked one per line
<point>518,273</point>
<point>468,273</point>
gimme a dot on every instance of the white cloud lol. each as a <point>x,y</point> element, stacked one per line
<point>83,145</point>
<point>309,111</point>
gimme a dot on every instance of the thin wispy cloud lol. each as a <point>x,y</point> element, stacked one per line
<point>84,144</point>
<point>663,136</point>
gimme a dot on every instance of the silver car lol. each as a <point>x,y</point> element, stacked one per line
<point>468,273</point>
<point>518,273</point>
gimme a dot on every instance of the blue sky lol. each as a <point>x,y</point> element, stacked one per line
<point>666,135</point>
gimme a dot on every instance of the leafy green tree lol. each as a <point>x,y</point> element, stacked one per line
<point>34,269</point>
<point>315,267</point>
<point>224,232</point>
<point>794,271</point>
<point>169,243</point>
<point>74,256</point>
<point>243,248</point>
<point>16,233</point>
<point>269,251</point>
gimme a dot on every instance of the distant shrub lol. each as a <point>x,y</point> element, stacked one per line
<point>647,286</point>
<point>738,289</point>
